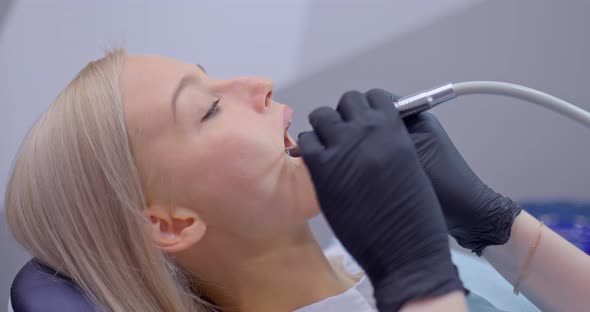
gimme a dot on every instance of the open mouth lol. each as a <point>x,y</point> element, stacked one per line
<point>290,146</point>
<point>288,140</point>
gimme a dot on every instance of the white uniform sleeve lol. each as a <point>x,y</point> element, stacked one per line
<point>353,300</point>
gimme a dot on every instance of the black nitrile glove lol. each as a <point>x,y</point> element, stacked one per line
<point>377,198</point>
<point>476,215</point>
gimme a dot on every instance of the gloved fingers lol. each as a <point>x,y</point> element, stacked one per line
<point>432,122</point>
<point>376,92</point>
<point>421,120</point>
<point>325,122</point>
<point>382,101</point>
<point>353,105</point>
<point>309,145</point>
<point>427,123</point>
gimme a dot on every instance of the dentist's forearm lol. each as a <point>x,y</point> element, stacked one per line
<point>558,277</point>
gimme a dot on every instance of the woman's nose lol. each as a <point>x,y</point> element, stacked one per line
<point>254,91</point>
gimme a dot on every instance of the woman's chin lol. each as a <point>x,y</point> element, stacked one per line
<point>311,209</point>
<point>315,213</point>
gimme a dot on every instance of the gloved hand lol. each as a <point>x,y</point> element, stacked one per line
<point>377,198</point>
<point>476,215</point>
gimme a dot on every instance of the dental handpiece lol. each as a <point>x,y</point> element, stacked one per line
<point>425,100</point>
<point>409,105</point>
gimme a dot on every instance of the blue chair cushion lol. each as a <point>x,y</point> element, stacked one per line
<point>38,288</point>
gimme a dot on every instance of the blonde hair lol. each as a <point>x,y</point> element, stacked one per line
<point>74,200</point>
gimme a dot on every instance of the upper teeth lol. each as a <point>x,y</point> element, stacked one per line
<point>288,125</point>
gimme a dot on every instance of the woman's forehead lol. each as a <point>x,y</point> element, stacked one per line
<point>148,82</point>
<point>152,66</point>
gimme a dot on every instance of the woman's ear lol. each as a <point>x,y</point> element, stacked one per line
<point>174,229</point>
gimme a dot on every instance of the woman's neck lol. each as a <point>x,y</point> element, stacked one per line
<point>284,274</point>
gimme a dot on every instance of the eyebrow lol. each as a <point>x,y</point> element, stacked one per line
<point>187,80</point>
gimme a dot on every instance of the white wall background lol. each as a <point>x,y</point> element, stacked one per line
<point>315,50</point>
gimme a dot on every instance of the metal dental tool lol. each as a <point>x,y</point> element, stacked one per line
<point>292,151</point>
<point>425,100</point>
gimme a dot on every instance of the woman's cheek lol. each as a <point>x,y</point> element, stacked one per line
<point>240,162</point>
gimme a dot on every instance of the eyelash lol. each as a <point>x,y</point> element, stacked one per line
<point>213,110</point>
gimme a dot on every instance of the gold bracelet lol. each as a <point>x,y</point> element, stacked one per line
<point>528,260</point>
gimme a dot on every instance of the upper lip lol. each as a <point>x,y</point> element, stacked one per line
<point>287,116</point>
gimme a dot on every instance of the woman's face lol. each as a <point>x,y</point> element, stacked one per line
<point>215,146</point>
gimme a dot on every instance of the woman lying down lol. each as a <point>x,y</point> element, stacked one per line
<point>155,187</point>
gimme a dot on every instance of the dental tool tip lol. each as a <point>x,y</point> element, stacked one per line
<point>292,151</point>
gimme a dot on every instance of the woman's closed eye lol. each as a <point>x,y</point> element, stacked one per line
<point>213,110</point>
